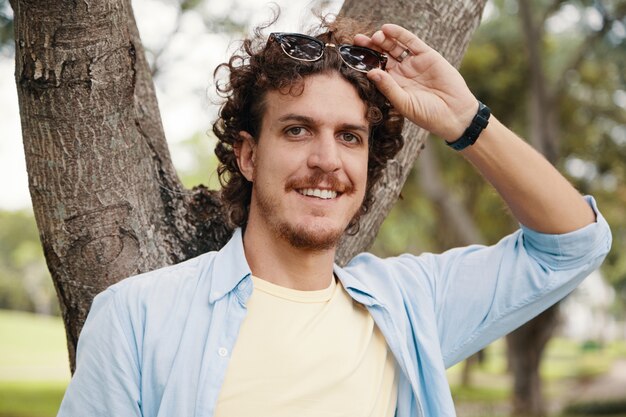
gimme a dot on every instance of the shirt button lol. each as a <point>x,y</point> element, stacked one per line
<point>222,351</point>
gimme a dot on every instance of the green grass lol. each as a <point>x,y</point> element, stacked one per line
<point>32,347</point>
<point>30,398</point>
<point>614,408</point>
<point>567,359</point>
<point>34,367</point>
<point>480,393</point>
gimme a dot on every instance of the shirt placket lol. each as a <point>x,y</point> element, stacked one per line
<point>229,313</point>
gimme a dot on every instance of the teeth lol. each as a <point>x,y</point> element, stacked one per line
<point>323,194</point>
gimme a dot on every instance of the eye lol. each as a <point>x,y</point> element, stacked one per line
<point>350,138</point>
<point>296,131</point>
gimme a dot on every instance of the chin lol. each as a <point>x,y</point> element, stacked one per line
<point>311,238</point>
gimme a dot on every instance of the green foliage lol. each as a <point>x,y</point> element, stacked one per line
<point>190,4</point>
<point>6,25</point>
<point>495,67</point>
<point>25,283</point>
<point>200,166</point>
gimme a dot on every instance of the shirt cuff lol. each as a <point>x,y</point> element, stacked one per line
<point>581,245</point>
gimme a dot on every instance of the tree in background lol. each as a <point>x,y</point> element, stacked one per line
<point>106,197</point>
<point>562,88</point>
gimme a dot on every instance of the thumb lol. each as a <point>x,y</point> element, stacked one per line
<point>388,86</point>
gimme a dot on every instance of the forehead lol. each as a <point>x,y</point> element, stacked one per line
<point>327,98</point>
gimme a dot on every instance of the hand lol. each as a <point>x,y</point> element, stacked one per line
<point>422,86</point>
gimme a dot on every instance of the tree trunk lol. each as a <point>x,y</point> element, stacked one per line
<point>525,348</point>
<point>106,197</point>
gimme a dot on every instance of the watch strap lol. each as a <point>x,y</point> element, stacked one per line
<point>469,137</point>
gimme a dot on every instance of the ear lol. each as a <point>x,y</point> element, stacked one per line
<point>245,151</point>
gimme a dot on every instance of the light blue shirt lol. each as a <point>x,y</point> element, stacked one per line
<point>158,344</point>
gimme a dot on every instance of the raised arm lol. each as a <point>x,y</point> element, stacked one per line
<point>430,92</point>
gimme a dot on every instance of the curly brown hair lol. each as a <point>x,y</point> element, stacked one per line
<point>259,67</point>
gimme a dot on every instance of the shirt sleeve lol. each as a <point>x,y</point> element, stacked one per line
<point>482,293</point>
<point>106,380</point>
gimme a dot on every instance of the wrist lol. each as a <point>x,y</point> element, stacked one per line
<point>473,131</point>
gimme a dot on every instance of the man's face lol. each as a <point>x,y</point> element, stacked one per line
<point>309,163</point>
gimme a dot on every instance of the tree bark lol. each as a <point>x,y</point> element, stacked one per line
<point>106,197</point>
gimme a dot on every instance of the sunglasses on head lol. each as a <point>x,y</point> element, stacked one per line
<point>307,48</point>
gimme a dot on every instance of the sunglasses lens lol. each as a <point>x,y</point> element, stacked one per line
<point>359,58</point>
<point>306,48</point>
<point>300,47</point>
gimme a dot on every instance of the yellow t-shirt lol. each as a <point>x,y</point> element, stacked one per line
<point>308,353</point>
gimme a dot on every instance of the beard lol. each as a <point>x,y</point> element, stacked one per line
<point>317,241</point>
<point>299,236</point>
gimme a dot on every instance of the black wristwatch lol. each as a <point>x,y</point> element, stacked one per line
<point>469,137</point>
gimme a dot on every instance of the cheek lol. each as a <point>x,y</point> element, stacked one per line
<point>272,170</point>
<point>357,174</point>
<point>361,169</point>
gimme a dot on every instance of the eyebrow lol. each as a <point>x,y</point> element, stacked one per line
<point>311,121</point>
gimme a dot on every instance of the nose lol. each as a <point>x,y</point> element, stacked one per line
<point>324,154</point>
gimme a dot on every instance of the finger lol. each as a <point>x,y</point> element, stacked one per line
<point>391,46</point>
<point>384,42</point>
<point>366,41</point>
<point>405,37</point>
<point>388,86</point>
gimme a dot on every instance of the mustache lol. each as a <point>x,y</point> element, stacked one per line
<point>314,180</point>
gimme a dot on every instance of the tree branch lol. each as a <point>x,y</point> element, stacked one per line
<point>453,212</point>
<point>542,134</point>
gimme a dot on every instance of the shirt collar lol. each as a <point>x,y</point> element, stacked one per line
<point>229,268</point>
<point>355,287</point>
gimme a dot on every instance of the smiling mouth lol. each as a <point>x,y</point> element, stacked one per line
<point>316,192</point>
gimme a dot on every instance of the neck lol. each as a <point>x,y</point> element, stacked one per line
<point>277,261</point>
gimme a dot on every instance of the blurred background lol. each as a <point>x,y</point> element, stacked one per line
<point>554,71</point>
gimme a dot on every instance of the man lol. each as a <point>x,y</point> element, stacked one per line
<point>269,326</point>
